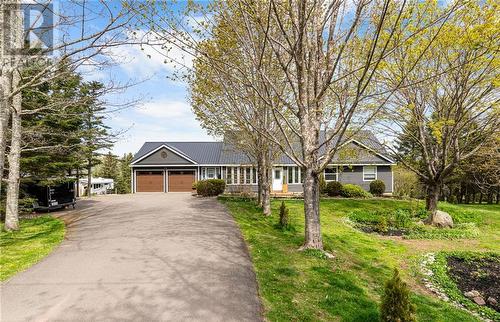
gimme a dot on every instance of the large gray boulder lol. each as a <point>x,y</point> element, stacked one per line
<point>442,220</point>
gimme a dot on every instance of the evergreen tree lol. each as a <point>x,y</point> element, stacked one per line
<point>396,305</point>
<point>94,133</point>
<point>109,167</point>
<point>123,184</point>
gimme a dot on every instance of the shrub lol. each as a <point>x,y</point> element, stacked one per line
<point>210,187</point>
<point>333,188</point>
<point>322,184</point>
<point>382,225</point>
<point>402,218</point>
<point>377,187</point>
<point>353,191</point>
<point>284,218</point>
<point>396,305</point>
<point>194,185</point>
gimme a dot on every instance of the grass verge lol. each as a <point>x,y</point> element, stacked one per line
<point>307,286</point>
<point>35,240</point>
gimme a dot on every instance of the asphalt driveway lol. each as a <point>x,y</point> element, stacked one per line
<point>142,257</point>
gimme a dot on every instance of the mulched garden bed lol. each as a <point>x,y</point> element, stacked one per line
<point>389,232</point>
<point>480,274</point>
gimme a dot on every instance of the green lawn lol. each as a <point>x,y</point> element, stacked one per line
<point>35,240</point>
<point>306,286</point>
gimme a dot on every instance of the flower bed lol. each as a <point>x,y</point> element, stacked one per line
<point>471,280</point>
<point>408,223</point>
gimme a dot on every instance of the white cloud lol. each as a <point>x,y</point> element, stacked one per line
<point>167,109</point>
<point>161,120</point>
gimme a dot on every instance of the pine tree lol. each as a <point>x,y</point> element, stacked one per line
<point>124,178</point>
<point>94,133</point>
<point>396,305</point>
<point>109,167</point>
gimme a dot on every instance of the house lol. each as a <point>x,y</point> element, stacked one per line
<point>100,186</point>
<point>175,166</point>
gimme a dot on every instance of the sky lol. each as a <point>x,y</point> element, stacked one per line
<point>162,113</point>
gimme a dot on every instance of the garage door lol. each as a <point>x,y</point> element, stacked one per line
<point>180,181</point>
<point>150,181</point>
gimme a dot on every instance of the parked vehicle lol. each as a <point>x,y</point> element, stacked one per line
<point>51,195</point>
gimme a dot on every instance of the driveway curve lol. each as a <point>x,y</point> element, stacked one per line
<point>141,257</point>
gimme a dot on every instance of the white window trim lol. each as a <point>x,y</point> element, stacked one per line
<point>376,172</point>
<point>336,174</point>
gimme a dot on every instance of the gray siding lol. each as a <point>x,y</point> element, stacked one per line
<point>157,159</point>
<point>354,175</point>
<point>295,187</point>
<point>236,188</point>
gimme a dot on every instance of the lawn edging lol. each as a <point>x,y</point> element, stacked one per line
<point>36,238</point>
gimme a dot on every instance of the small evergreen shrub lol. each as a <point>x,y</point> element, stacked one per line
<point>377,187</point>
<point>396,305</point>
<point>284,218</point>
<point>210,187</point>
<point>322,184</point>
<point>333,188</point>
<point>382,225</point>
<point>353,191</point>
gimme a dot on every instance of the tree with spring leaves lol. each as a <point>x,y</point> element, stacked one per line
<point>448,104</point>
<point>319,78</point>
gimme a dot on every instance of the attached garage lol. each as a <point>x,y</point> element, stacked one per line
<point>180,181</point>
<point>149,181</point>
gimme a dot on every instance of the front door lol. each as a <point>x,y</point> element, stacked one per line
<point>277,179</point>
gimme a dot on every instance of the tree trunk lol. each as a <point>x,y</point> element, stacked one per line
<point>313,239</point>
<point>14,158</point>
<point>259,181</point>
<point>266,187</point>
<point>490,198</point>
<point>78,182</point>
<point>480,198</point>
<point>431,201</point>
<point>89,178</point>
<point>4,122</point>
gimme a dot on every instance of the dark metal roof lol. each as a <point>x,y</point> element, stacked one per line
<point>223,153</point>
<point>201,152</point>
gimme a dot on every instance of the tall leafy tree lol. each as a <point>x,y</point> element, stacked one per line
<point>448,104</point>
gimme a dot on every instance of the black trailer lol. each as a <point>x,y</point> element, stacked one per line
<point>51,195</point>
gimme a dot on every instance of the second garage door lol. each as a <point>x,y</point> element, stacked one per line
<point>180,181</point>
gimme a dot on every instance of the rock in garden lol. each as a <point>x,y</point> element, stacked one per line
<point>442,219</point>
<point>472,294</point>
<point>492,301</point>
<point>479,300</point>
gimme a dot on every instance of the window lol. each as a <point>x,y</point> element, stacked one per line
<point>277,174</point>
<point>254,179</point>
<point>229,175</point>
<point>248,174</point>
<point>369,173</point>
<point>210,173</point>
<point>331,174</point>
<point>295,175</point>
